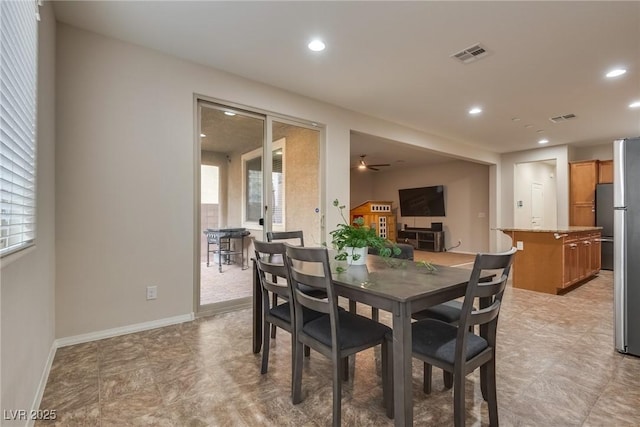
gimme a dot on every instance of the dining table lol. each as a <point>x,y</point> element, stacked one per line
<point>399,287</point>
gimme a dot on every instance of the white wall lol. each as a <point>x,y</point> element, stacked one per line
<point>592,152</point>
<point>466,199</point>
<point>527,174</point>
<point>507,177</point>
<point>27,285</point>
<point>362,188</point>
<point>125,174</point>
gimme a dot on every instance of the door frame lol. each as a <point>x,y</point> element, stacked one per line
<point>267,158</point>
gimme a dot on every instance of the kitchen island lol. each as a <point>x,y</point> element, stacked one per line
<point>554,261</point>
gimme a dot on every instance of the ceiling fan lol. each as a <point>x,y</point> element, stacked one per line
<point>364,165</point>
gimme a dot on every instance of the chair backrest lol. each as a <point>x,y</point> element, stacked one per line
<point>270,263</point>
<point>272,236</point>
<point>310,267</point>
<point>489,294</point>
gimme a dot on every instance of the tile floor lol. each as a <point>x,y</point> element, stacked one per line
<point>556,367</point>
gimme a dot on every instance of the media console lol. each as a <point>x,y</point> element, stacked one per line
<point>424,239</point>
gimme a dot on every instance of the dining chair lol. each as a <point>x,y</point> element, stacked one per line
<point>270,264</point>
<point>286,235</point>
<point>448,312</point>
<point>297,237</point>
<point>337,335</point>
<point>458,350</point>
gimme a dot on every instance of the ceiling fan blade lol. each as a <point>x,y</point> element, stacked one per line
<point>371,167</point>
<point>381,164</point>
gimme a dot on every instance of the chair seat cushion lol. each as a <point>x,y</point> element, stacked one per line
<point>283,312</point>
<point>437,339</point>
<point>354,330</point>
<point>447,312</point>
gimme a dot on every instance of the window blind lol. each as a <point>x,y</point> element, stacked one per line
<point>18,73</point>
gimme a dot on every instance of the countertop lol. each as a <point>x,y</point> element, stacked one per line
<point>567,229</point>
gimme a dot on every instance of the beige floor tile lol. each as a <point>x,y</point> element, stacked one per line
<point>556,366</point>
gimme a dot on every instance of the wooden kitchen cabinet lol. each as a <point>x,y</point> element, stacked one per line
<point>605,172</point>
<point>571,264</point>
<point>554,261</point>
<point>581,253</point>
<point>583,177</point>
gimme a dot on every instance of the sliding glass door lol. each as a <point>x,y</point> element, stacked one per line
<point>243,157</point>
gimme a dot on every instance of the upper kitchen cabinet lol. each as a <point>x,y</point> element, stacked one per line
<point>605,172</point>
<point>583,177</point>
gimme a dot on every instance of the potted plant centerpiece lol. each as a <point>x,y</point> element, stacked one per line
<point>353,240</point>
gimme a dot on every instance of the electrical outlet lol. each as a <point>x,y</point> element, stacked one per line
<point>152,292</point>
<point>520,245</point>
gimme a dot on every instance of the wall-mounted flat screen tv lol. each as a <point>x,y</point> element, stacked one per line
<point>423,201</point>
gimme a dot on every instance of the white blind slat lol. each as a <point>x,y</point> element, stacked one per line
<point>18,82</point>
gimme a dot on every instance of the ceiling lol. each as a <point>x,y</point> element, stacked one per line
<point>392,60</point>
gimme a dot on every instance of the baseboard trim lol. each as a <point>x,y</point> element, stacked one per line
<point>225,307</point>
<point>43,382</point>
<point>138,327</point>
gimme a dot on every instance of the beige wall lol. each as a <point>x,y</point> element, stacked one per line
<point>466,199</point>
<point>125,174</point>
<point>27,278</point>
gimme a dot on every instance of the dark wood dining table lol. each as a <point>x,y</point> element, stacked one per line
<point>401,290</point>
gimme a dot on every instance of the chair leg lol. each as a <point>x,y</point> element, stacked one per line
<point>491,394</point>
<point>265,348</point>
<point>447,377</point>
<point>426,378</point>
<point>483,381</point>
<point>458,398</point>
<point>293,359</point>
<point>345,368</point>
<point>337,390</point>
<point>307,351</point>
<point>387,377</point>
<point>296,394</point>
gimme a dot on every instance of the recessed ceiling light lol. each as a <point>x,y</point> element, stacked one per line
<point>543,141</point>
<point>634,104</point>
<point>316,45</point>
<point>617,72</point>
<point>202,135</point>
<point>540,131</point>
<point>230,113</point>
<point>515,119</point>
<point>475,110</point>
<point>528,126</point>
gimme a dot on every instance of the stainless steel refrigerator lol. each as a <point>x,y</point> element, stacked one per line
<point>604,219</point>
<point>626,252</point>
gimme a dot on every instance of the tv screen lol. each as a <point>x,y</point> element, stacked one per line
<point>423,201</point>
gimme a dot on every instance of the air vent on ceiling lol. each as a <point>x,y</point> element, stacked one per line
<point>564,118</point>
<point>470,54</point>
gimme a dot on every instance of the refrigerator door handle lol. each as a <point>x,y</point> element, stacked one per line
<point>604,239</point>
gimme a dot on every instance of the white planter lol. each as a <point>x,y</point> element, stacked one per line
<point>361,259</point>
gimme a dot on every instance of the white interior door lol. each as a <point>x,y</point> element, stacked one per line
<point>537,205</point>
